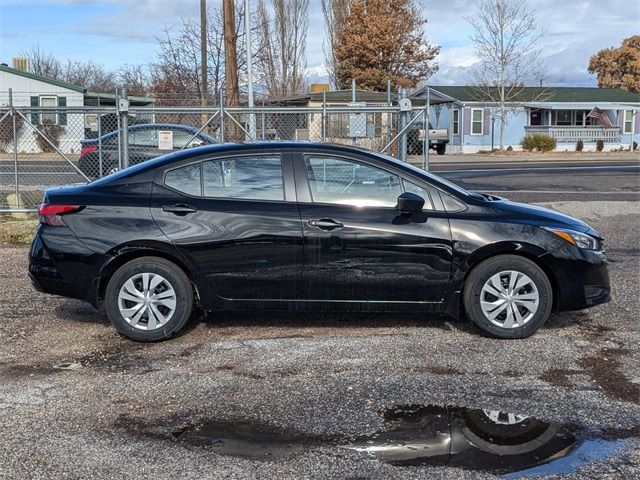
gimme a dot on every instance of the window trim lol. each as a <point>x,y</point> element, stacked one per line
<point>625,121</point>
<point>455,121</point>
<point>55,114</point>
<point>201,160</point>
<point>481,110</point>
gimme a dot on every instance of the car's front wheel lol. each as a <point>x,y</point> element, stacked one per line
<point>508,296</point>
<point>149,299</point>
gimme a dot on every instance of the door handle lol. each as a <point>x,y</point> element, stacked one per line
<point>179,209</point>
<point>325,224</point>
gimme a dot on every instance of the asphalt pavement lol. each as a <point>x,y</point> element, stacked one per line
<point>264,395</point>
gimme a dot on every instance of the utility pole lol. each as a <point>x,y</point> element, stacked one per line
<point>204,82</point>
<point>230,54</point>
<point>247,32</point>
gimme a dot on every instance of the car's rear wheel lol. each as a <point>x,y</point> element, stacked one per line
<point>149,299</point>
<point>508,296</point>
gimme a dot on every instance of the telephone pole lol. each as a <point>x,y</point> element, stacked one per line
<point>230,56</point>
<point>204,82</point>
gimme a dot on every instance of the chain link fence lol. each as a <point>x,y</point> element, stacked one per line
<point>44,145</point>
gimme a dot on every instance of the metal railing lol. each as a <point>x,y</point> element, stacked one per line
<point>41,147</point>
<point>571,134</point>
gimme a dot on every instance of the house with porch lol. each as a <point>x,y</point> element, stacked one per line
<point>560,112</point>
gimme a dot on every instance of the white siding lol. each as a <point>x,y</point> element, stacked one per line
<point>23,89</point>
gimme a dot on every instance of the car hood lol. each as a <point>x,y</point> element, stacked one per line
<point>538,215</point>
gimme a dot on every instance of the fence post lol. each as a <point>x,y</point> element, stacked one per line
<point>221,97</point>
<point>402,121</point>
<point>425,125</point>
<point>324,115</point>
<point>15,149</point>
<point>123,108</point>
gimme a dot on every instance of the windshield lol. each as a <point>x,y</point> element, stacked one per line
<point>436,178</point>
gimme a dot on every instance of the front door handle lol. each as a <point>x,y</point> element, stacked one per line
<point>179,209</point>
<point>325,224</point>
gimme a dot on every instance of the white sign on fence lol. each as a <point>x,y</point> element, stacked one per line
<point>165,140</point>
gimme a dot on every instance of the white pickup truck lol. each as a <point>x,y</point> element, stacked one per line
<point>438,139</point>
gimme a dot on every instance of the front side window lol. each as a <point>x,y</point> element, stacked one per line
<point>185,179</point>
<point>418,190</point>
<point>253,178</point>
<point>346,182</point>
<point>628,121</point>
<point>144,137</point>
<point>476,121</point>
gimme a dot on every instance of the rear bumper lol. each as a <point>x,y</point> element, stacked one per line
<point>60,264</point>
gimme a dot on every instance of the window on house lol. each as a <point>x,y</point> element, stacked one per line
<point>48,102</point>
<point>476,121</point>
<point>455,122</point>
<point>628,121</point>
<point>563,117</point>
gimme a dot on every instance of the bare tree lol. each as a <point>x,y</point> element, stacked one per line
<point>506,38</point>
<point>232,87</point>
<point>90,75</point>
<point>135,78</point>
<point>282,50</point>
<point>176,75</point>
<point>335,13</point>
<point>42,63</point>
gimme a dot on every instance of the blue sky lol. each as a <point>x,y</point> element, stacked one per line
<point>116,32</point>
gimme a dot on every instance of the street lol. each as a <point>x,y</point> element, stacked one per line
<point>263,395</point>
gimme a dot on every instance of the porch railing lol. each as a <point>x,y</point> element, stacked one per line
<point>571,134</point>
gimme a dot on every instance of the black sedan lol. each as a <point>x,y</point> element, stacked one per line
<point>99,156</point>
<point>307,226</point>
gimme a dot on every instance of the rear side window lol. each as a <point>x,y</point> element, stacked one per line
<point>253,178</point>
<point>185,179</point>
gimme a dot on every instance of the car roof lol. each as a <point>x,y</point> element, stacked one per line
<point>150,126</point>
<point>268,146</point>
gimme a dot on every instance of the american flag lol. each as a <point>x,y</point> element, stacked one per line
<point>600,115</point>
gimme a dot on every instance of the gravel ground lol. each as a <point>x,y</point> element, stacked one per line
<point>77,400</point>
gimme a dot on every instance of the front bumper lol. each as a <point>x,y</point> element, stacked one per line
<point>581,277</point>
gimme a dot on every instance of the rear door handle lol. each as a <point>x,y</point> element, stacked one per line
<point>325,224</point>
<point>179,209</point>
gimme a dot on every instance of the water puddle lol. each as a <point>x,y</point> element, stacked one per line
<point>414,435</point>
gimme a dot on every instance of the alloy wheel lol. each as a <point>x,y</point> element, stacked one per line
<point>509,299</point>
<point>147,301</point>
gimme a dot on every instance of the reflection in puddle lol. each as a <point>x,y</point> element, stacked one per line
<point>415,435</point>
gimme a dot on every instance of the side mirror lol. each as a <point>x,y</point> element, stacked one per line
<point>410,203</point>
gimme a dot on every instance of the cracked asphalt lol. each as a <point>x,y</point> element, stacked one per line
<point>79,401</point>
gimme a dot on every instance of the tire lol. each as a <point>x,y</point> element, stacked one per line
<point>508,296</point>
<point>149,320</point>
<point>440,149</point>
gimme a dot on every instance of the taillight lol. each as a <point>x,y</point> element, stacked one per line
<point>87,149</point>
<point>52,214</point>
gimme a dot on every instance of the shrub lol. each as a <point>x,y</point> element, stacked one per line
<point>50,130</point>
<point>635,146</point>
<point>509,148</point>
<point>6,131</point>
<point>599,145</point>
<point>579,146</point>
<point>539,142</point>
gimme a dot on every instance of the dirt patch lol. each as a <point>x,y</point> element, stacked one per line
<point>436,370</point>
<point>558,377</point>
<point>239,372</point>
<point>605,369</point>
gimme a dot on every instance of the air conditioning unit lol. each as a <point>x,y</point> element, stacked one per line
<point>20,63</point>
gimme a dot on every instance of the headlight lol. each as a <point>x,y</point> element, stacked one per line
<point>580,240</point>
